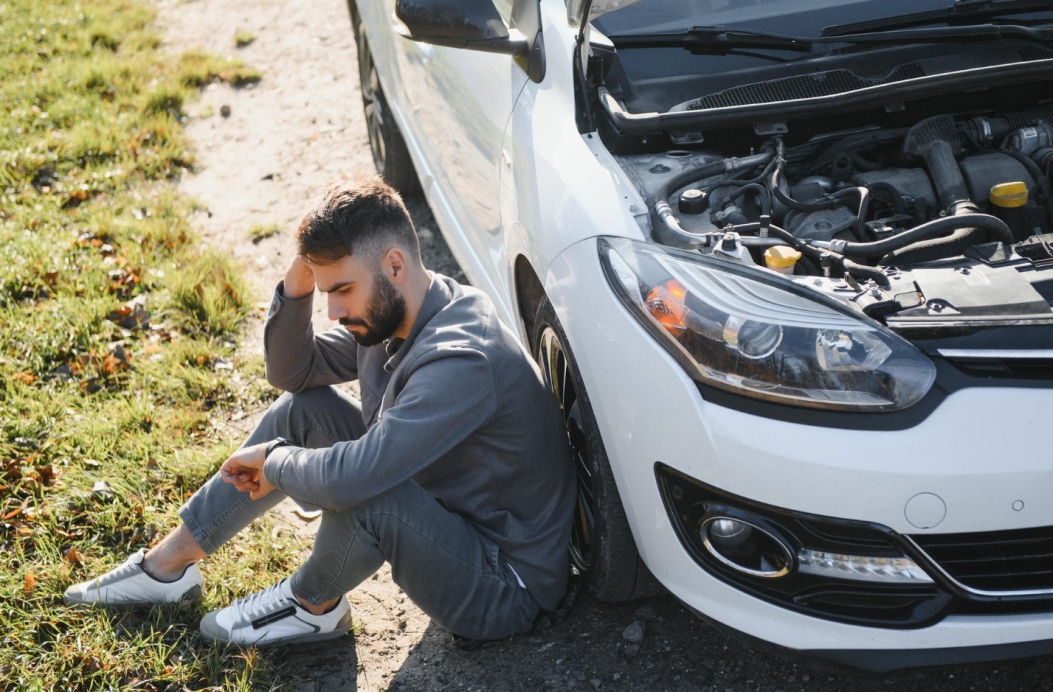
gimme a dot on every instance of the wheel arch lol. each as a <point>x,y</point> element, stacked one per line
<point>529,292</point>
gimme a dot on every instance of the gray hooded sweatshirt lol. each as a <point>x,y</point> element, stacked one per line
<point>459,407</point>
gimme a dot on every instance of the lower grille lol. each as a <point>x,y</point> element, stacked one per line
<point>1018,560</point>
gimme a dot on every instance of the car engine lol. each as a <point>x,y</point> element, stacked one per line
<point>948,222</point>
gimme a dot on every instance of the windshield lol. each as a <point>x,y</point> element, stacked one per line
<point>796,17</point>
<point>652,69</point>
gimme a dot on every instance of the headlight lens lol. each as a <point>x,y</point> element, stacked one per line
<point>763,337</point>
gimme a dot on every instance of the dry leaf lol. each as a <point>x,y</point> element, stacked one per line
<point>30,583</point>
<point>73,556</point>
<point>24,377</point>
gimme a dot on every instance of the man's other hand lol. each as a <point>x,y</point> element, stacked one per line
<point>244,470</point>
<point>299,279</point>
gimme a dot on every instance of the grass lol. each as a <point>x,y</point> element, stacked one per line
<point>243,38</point>
<point>264,230</point>
<point>117,351</point>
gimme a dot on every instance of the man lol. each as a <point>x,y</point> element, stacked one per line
<point>455,468</point>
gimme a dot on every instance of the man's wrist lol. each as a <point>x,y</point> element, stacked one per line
<point>273,445</point>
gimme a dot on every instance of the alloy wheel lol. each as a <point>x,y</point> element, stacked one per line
<point>373,105</point>
<point>555,366</point>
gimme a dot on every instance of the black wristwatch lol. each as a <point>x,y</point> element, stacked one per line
<point>275,444</point>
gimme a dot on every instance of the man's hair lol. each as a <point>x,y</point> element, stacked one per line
<point>362,217</point>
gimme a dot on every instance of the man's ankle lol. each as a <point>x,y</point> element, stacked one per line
<point>169,559</point>
<point>320,609</point>
<point>161,569</point>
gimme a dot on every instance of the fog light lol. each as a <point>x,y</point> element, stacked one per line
<point>746,547</point>
<point>861,568</point>
<point>729,533</point>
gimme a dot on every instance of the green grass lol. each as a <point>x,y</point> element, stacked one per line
<point>117,351</point>
<point>243,38</point>
<point>264,230</point>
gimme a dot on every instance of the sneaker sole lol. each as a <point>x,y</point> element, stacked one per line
<point>192,595</point>
<point>220,636</point>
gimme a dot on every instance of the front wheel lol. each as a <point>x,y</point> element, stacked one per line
<point>390,154</point>
<point>601,547</point>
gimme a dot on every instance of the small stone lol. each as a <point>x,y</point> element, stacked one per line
<point>580,676</point>
<point>634,633</point>
<point>224,110</point>
<point>806,678</point>
<point>645,613</point>
<point>595,682</point>
<point>631,650</point>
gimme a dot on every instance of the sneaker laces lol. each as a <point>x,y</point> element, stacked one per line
<point>259,603</point>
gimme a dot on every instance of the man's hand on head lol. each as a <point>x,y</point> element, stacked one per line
<point>244,470</point>
<point>299,279</point>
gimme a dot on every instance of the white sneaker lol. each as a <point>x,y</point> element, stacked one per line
<point>274,616</point>
<point>129,585</point>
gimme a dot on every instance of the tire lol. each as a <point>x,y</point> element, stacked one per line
<point>390,155</point>
<point>602,547</point>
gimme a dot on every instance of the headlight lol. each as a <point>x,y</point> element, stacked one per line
<point>763,337</point>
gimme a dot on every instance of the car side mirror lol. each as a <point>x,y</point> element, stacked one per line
<point>470,24</point>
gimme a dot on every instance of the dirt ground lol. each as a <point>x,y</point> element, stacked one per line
<point>283,140</point>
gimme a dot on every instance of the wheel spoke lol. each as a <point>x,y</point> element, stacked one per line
<point>556,371</point>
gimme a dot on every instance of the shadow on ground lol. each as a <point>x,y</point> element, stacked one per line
<point>587,652</point>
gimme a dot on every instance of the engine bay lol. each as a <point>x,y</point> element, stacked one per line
<point>945,224</point>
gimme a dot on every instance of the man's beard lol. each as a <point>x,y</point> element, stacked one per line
<point>385,313</point>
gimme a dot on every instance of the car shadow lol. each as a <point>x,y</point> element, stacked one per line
<point>587,651</point>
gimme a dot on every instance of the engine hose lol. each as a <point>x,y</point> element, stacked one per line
<point>1025,118</point>
<point>761,192</point>
<point>862,164</point>
<point>936,248</point>
<point>897,198</point>
<point>664,212</point>
<point>1040,177</point>
<point>991,224</point>
<point>760,178</point>
<point>827,202</point>
<point>843,263</point>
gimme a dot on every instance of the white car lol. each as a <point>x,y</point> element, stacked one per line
<point>788,266</point>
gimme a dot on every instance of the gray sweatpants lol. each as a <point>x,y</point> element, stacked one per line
<point>453,573</point>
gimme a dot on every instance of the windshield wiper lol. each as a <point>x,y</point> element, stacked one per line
<point>963,11</point>
<point>721,40</point>
<point>713,39</point>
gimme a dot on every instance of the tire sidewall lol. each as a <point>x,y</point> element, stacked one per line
<point>613,555</point>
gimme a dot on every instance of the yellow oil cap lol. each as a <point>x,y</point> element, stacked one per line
<point>781,257</point>
<point>1009,195</point>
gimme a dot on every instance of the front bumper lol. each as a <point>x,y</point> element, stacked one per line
<point>981,452</point>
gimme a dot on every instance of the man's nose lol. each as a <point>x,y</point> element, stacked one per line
<point>336,311</point>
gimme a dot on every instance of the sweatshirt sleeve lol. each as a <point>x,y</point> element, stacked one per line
<point>297,359</point>
<point>445,400</point>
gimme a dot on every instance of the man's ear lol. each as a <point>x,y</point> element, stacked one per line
<point>395,265</point>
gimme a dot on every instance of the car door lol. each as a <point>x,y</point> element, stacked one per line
<point>467,102</point>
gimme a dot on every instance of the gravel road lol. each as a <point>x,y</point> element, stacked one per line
<point>283,140</point>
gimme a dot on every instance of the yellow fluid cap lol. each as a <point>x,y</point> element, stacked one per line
<point>1009,195</point>
<point>781,256</point>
